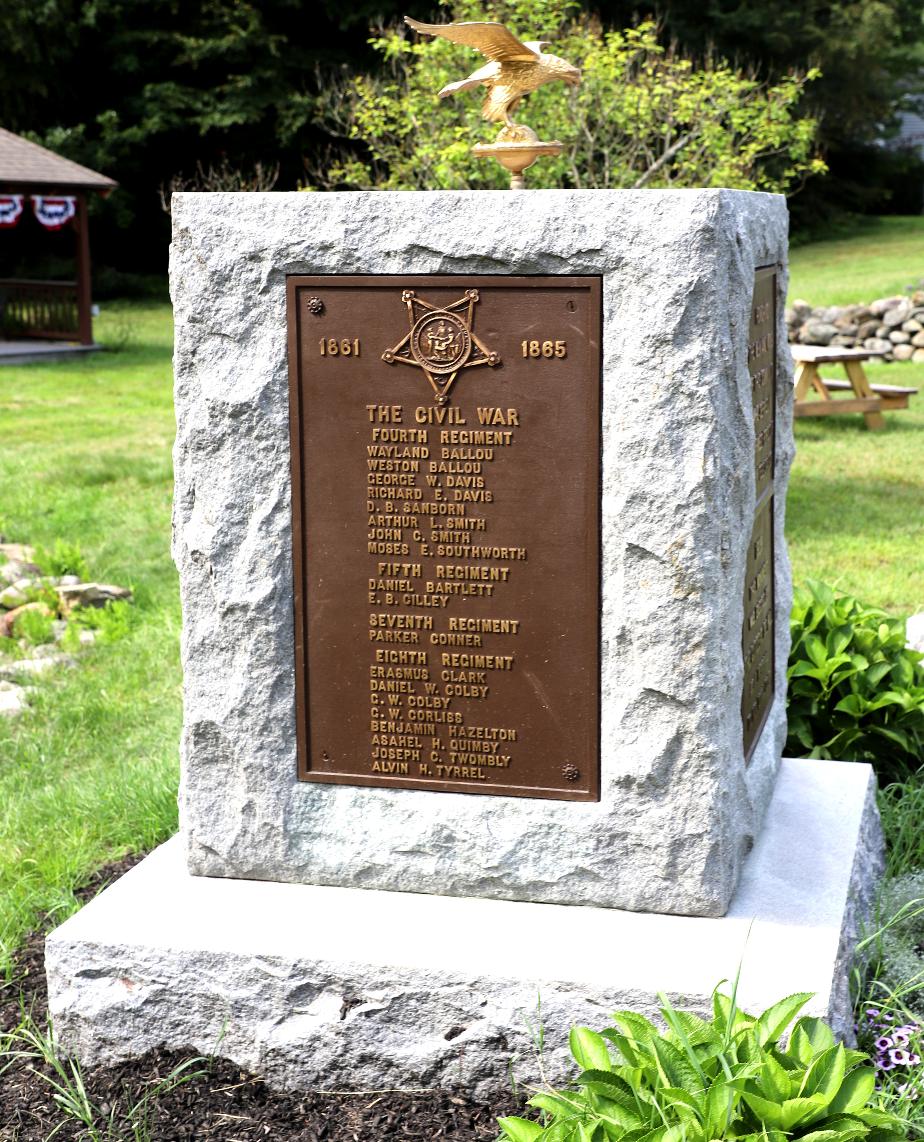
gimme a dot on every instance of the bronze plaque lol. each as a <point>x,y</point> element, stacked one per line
<point>446,519</point>
<point>758,637</point>
<point>762,367</point>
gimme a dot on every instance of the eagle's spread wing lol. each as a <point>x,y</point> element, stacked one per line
<point>491,39</point>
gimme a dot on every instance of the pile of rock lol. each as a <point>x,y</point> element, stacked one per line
<point>890,325</point>
<point>23,589</point>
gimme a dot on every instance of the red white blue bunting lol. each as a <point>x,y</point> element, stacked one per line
<point>54,211</point>
<point>10,209</point>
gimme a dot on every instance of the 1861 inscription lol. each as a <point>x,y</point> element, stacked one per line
<point>757,640</point>
<point>446,509</point>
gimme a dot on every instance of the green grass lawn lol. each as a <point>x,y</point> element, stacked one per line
<point>855,513</point>
<point>879,258</point>
<point>91,772</point>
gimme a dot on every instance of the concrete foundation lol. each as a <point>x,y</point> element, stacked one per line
<point>317,987</point>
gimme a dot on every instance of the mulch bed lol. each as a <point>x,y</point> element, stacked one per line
<point>222,1103</point>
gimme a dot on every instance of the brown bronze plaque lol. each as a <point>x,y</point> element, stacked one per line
<point>757,641</point>
<point>762,367</point>
<point>446,519</point>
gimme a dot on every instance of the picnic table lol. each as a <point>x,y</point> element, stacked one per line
<point>871,400</point>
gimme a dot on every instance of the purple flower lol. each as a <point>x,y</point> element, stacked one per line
<point>900,1037</point>
<point>899,1056</point>
<point>883,1044</point>
<point>871,1012</point>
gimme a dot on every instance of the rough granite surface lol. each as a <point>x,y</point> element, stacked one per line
<point>679,809</point>
<point>323,987</point>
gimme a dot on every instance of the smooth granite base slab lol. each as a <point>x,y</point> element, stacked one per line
<point>317,987</point>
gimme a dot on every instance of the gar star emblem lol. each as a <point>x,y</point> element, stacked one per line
<point>440,341</point>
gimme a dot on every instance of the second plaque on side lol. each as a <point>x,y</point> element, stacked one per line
<point>446,510</point>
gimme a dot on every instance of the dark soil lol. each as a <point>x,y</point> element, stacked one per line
<point>221,1103</point>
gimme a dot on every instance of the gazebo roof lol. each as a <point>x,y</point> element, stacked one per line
<point>27,164</point>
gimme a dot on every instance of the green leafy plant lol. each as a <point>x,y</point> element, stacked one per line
<point>644,115</point>
<point>725,1078</point>
<point>110,622</point>
<point>36,627</point>
<point>63,559</point>
<point>856,693</point>
<point>127,1119</point>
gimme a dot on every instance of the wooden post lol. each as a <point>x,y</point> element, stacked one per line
<point>84,317</point>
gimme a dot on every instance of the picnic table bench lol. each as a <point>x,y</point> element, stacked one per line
<point>871,400</point>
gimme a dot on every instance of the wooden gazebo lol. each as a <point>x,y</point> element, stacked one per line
<point>36,184</point>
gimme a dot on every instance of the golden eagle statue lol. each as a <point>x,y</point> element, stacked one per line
<point>515,67</point>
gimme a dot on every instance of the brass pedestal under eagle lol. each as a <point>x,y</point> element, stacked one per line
<point>515,69</point>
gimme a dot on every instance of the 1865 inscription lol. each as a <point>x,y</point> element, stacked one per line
<point>757,640</point>
<point>446,532</point>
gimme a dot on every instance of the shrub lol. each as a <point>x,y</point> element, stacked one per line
<point>644,115</point>
<point>726,1078</point>
<point>856,693</point>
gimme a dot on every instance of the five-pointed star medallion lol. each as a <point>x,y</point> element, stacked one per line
<point>440,341</point>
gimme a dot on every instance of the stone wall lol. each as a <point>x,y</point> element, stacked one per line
<point>890,325</point>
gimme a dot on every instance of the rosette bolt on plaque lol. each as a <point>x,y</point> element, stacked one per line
<point>315,305</point>
<point>570,772</point>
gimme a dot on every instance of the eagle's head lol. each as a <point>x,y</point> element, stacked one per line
<point>559,68</point>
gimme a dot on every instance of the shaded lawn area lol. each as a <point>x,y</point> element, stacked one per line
<point>878,258</point>
<point>91,771</point>
<point>855,513</point>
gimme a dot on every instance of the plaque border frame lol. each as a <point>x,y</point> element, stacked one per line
<point>766,502</point>
<point>294,318</point>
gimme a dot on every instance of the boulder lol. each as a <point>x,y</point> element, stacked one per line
<point>12,699</point>
<point>90,594</point>
<point>912,325</point>
<point>34,666</point>
<point>18,569</point>
<point>918,356</point>
<point>18,551</point>
<point>877,345</point>
<point>845,340</point>
<point>15,595</point>
<point>898,337</point>
<point>867,329</point>
<point>918,340</point>
<point>818,332</point>
<point>903,352</point>
<point>896,315</point>
<point>883,304</point>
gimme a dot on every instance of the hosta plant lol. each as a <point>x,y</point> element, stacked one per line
<point>700,1080</point>
<point>856,692</point>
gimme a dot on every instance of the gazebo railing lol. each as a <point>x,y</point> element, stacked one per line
<point>43,310</point>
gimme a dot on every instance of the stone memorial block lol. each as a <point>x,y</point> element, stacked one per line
<point>570,687</point>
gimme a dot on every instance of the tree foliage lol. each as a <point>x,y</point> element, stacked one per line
<point>146,92</point>
<point>644,115</point>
